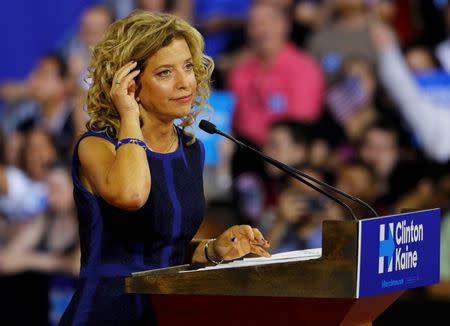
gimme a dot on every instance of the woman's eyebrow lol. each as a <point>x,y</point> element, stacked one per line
<point>169,65</point>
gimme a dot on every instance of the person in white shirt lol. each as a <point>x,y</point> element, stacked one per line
<point>430,122</point>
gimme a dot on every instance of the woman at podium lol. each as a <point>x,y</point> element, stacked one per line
<point>137,176</point>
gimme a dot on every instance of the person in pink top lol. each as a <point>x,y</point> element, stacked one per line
<point>276,80</point>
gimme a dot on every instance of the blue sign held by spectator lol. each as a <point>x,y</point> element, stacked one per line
<point>436,86</point>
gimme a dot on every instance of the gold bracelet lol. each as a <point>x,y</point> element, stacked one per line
<point>206,253</point>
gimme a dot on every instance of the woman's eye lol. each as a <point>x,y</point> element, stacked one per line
<point>164,73</point>
<point>189,66</point>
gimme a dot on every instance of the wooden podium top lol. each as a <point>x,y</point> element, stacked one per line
<point>333,275</point>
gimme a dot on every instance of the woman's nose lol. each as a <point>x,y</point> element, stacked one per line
<point>182,80</point>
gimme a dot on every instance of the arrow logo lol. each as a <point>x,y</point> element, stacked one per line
<point>387,247</point>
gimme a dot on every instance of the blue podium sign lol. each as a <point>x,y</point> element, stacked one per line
<point>398,252</point>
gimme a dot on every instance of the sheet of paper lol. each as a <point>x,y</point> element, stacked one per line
<point>284,257</point>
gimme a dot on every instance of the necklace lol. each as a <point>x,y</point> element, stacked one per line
<point>170,145</point>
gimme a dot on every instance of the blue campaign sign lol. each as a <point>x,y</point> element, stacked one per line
<point>398,252</point>
<point>222,104</point>
<point>436,86</point>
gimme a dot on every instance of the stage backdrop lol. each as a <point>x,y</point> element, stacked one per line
<point>29,29</point>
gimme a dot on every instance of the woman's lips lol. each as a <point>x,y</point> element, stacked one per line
<point>183,99</point>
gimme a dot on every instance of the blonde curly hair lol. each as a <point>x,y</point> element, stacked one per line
<point>137,37</point>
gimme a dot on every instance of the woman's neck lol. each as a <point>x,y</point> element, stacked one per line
<point>159,136</point>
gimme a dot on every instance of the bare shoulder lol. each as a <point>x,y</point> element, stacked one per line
<point>96,157</point>
<point>95,149</point>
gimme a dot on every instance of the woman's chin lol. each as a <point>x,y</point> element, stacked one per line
<point>182,110</point>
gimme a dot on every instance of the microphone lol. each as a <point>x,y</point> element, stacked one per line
<point>299,175</point>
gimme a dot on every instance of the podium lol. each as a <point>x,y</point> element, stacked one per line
<point>364,267</point>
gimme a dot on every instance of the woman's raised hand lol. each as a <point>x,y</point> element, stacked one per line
<point>238,241</point>
<point>123,90</point>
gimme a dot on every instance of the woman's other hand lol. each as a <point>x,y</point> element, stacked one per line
<point>238,241</point>
<point>123,90</point>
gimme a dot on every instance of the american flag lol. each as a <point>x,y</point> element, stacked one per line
<point>346,98</point>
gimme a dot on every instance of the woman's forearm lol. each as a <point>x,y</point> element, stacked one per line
<point>199,255</point>
<point>129,174</point>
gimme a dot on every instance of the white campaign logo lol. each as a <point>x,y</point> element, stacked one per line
<point>403,257</point>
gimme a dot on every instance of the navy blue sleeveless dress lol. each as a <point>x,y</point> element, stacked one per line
<point>115,243</point>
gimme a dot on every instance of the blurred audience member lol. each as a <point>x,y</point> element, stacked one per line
<point>310,15</point>
<point>359,180</point>
<point>380,150</point>
<point>420,59</point>
<point>351,101</point>
<point>39,150</point>
<point>429,121</point>
<point>307,16</point>
<point>346,35</point>
<point>26,222</point>
<point>23,191</point>
<point>385,10</point>
<point>299,216</point>
<point>288,142</point>
<point>94,22</point>
<point>13,188</point>
<point>45,103</point>
<point>13,148</point>
<point>55,233</point>
<point>276,81</point>
<point>47,244</point>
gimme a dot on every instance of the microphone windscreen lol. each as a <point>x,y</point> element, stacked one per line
<point>207,126</point>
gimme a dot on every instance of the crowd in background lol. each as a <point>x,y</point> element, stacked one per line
<point>353,92</point>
